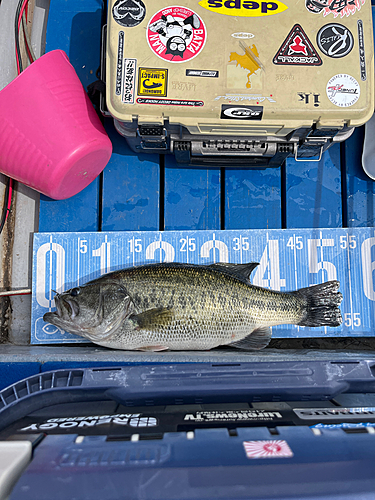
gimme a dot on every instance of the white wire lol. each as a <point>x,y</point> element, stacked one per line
<point>25,291</point>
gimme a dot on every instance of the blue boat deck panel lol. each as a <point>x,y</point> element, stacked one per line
<point>313,191</point>
<point>360,189</point>
<point>252,198</point>
<point>131,188</point>
<point>192,197</point>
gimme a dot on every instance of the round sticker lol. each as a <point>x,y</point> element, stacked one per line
<point>343,90</point>
<point>129,13</point>
<point>335,40</point>
<point>176,34</point>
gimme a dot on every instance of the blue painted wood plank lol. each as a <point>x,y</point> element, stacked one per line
<point>75,27</point>
<point>131,188</point>
<point>252,198</point>
<point>192,197</point>
<point>360,198</point>
<point>78,213</point>
<point>313,191</point>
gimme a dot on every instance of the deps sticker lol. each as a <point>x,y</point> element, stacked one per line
<point>336,7</point>
<point>129,13</point>
<point>297,50</point>
<point>242,34</point>
<point>176,34</point>
<point>244,8</point>
<point>343,90</point>
<point>335,40</point>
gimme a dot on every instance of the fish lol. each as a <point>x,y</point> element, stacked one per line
<point>175,306</point>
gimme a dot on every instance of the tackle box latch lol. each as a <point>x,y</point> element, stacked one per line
<point>315,143</point>
<point>153,136</point>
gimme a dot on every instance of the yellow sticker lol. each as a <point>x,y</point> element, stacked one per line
<point>152,82</point>
<point>244,8</point>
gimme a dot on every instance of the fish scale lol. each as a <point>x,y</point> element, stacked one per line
<point>188,307</point>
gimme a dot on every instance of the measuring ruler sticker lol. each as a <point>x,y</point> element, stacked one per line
<point>288,259</point>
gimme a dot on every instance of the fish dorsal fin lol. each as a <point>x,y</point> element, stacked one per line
<point>242,271</point>
<point>256,340</point>
<point>151,318</point>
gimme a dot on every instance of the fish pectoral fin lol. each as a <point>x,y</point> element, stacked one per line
<point>257,339</point>
<point>153,348</point>
<point>152,317</point>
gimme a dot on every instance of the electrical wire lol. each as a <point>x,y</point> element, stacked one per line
<point>25,291</point>
<point>29,49</point>
<point>19,17</point>
<point>7,203</point>
<point>17,22</point>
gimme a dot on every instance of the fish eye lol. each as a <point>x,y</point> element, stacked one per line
<point>173,46</point>
<point>74,292</point>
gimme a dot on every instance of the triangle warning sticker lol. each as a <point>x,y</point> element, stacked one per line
<point>297,50</point>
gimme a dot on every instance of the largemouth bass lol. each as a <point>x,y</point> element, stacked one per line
<point>188,307</point>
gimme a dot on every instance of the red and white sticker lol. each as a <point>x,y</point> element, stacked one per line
<point>343,90</point>
<point>267,449</point>
<point>342,8</point>
<point>297,50</point>
<point>176,34</point>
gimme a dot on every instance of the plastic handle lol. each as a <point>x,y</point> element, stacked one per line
<point>190,383</point>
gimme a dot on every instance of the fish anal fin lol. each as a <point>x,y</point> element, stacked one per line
<point>152,317</point>
<point>153,348</point>
<point>256,340</point>
<point>242,271</point>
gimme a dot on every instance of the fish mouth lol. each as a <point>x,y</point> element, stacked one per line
<point>66,307</point>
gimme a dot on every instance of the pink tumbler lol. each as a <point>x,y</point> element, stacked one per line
<point>51,138</point>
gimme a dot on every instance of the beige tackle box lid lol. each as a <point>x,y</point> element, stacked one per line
<point>271,65</point>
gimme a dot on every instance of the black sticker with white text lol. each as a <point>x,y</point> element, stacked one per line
<point>361,44</point>
<point>237,112</point>
<point>335,40</point>
<point>129,13</point>
<point>120,55</point>
<point>130,67</point>
<point>202,72</point>
<point>169,102</point>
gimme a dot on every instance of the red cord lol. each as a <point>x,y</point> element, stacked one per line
<point>10,195</point>
<point>19,23</point>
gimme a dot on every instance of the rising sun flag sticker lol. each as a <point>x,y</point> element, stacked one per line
<point>267,449</point>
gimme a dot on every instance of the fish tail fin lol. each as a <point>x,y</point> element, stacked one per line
<point>322,304</point>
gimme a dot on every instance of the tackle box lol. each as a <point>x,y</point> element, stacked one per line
<point>237,82</point>
<point>279,431</point>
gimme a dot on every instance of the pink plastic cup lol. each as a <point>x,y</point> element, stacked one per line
<point>51,138</point>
